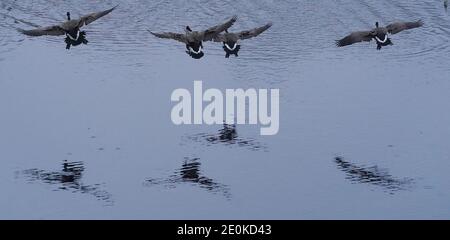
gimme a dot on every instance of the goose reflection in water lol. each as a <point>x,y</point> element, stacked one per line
<point>190,173</point>
<point>227,135</point>
<point>68,179</point>
<point>373,175</point>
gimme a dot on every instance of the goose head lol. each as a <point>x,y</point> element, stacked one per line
<point>386,42</point>
<point>194,45</point>
<point>230,44</point>
<point>231,48</point>
<point>381,36</point>
<point>80,38</point>
<point>195,49</point>
<point>74,33</point>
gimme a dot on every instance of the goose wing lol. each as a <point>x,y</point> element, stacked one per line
<point>220,38</point>
<point>210,33</point>
<point>355,37</point>
<point>401,26</point>
<point>89,18</point>
<point>170,35</point>
<point>51,31</point>
<point>253,32</point>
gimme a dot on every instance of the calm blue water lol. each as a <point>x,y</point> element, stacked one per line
<point>86,133</point>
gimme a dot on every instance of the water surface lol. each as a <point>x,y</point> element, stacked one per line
<point>86,133</point>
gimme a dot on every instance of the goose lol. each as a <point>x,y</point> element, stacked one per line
<point>380,34</point>
<point>194,39</point>
<point>230,40</point>
<point>446,4</point>
<point>71,28</point>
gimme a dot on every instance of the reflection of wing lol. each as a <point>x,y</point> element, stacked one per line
<point>169,35</point>
<point>89,18</point>
<point>254,32</point>
<point>401,26</point>
<point>210,33</point>
<point>373,175</point>
<point>52,31</point>
<point>355,37</point>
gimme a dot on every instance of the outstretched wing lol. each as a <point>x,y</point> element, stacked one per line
<point>210,33</point>
<point>401,26</point>
<point>220,38</point>
<point>355,37</point>
<point>89,18</point>
<point>169,35</point>
<point>52,31</point>
<point>253,32</point>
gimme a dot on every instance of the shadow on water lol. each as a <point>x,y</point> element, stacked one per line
<point>68,179</point>
<point>191,173</point>
<point>373,175</point>
<point>227,135</point>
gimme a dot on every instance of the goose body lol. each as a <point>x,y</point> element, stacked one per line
<point>70,28</point>
<point>230,40</point>
<point>194,39</point>
<point>379,34</point>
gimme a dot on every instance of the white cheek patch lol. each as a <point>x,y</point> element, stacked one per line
<point>229,48</point>
<point>74,39</point>
<point>196,52</point>
<point>379,40</point>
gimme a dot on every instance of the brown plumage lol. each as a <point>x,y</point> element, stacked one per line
<point>378,33</point>
<point>194,39</point>
<point>68,27</point>
<point>192,36</point>
<point>234,37</point>
<point>230,40</point>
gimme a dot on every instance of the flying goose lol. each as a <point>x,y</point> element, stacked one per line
<point>230,40</point>
<point>380,34</point>
<point>194,39</point>
<point>71,28</point>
